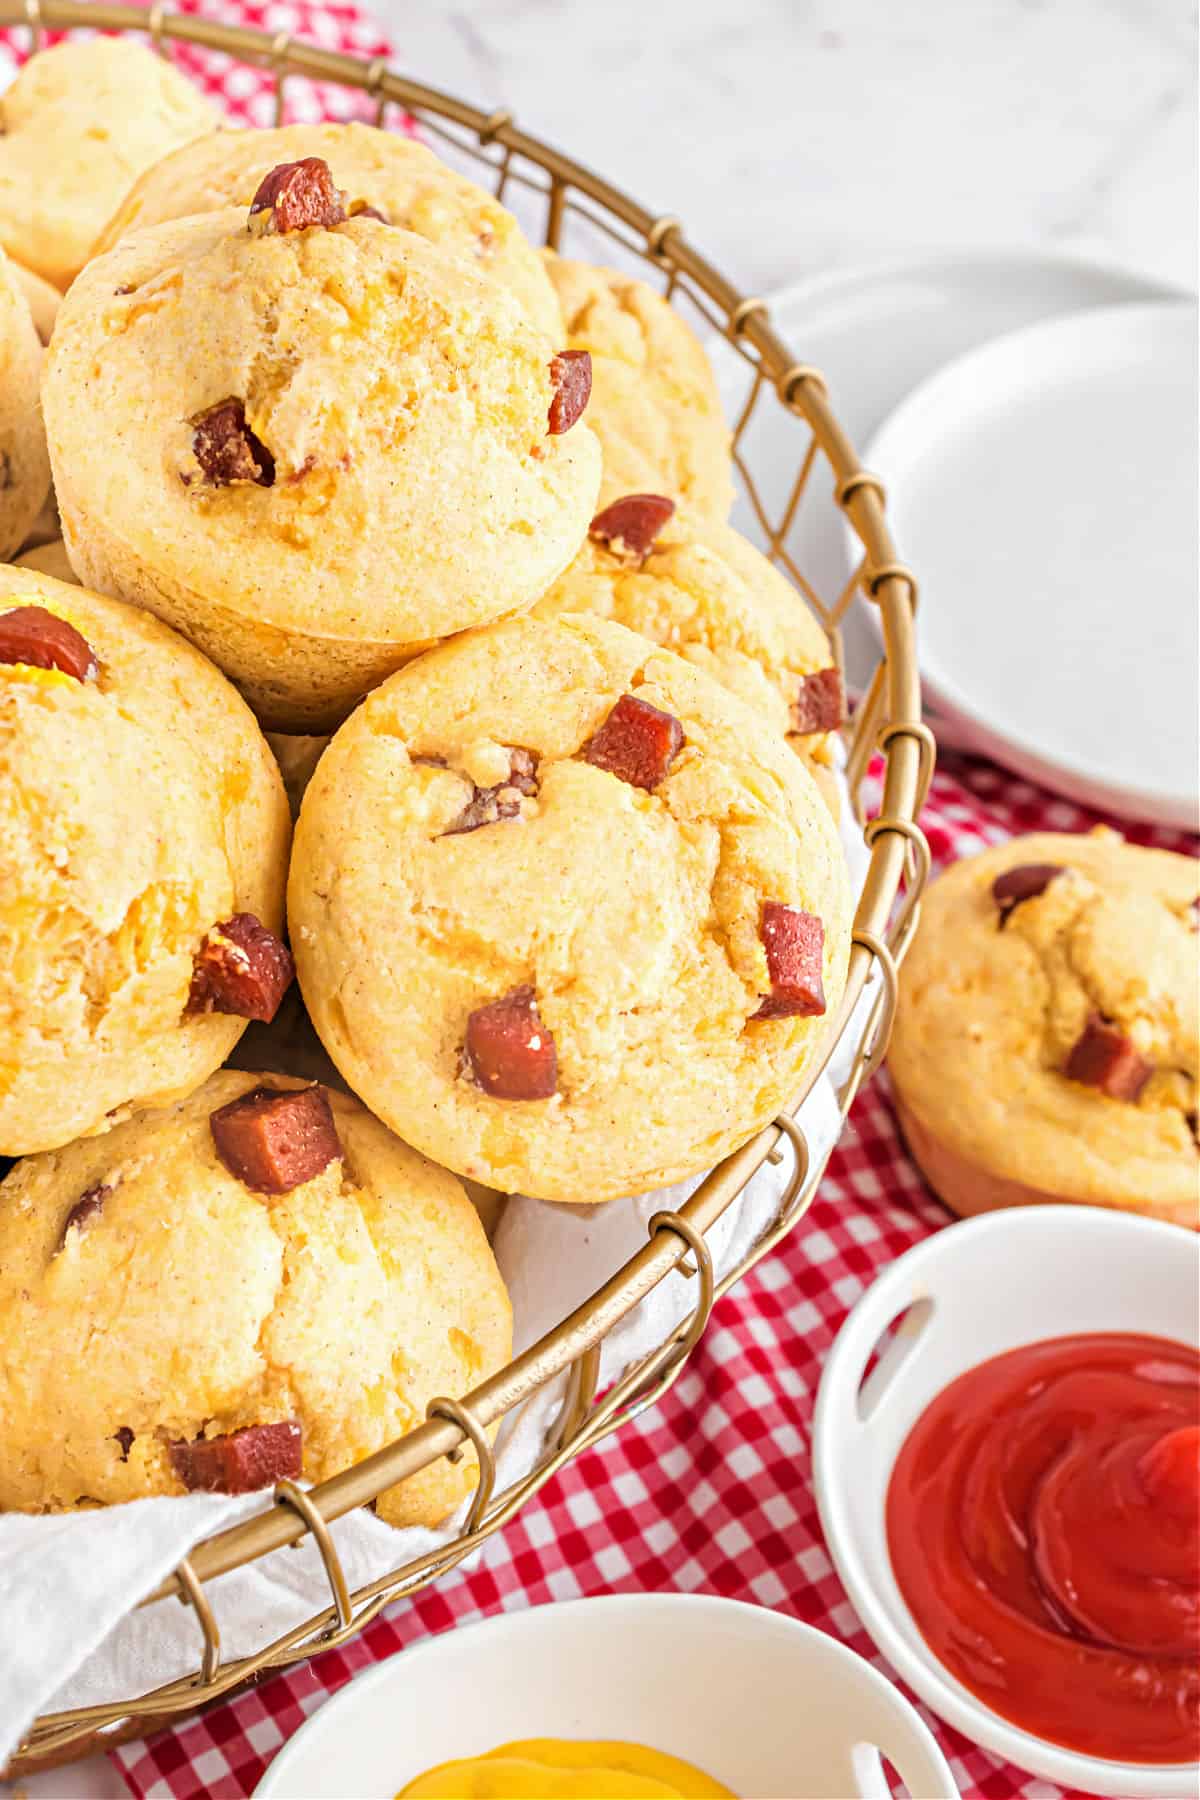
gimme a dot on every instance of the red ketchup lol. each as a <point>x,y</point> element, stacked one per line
<point>1043,1520</point>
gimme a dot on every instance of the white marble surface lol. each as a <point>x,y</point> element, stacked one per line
<point>793,135</point>
<point>796,135</point>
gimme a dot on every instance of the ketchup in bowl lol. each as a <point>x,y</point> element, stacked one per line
<point>1043,1521</point>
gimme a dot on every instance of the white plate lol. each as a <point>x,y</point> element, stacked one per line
<point>1045,489</point>
<point>984,1286</point>
<point>876,331</point>
<point>761,1703</point>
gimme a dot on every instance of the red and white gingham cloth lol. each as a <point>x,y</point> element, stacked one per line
<point>247,95</point>
<point>711,1491</point>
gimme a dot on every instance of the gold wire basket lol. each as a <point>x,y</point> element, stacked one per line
<point>568,201</point>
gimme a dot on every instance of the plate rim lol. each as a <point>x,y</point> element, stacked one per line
<point>1144,288</point>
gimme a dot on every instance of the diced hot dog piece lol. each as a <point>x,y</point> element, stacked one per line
<point>571,373</point>
<point>240,1462</point>
<point>295,196</point>
<point>820,704</point>
<point>86,1210</point>
<point>1025,882</point>
<point>41,640</point>
<point>636,742</point>
<point>273,1141</point>
<point>630,525</point>
<point>226,448</point>
<point>488,805</point>
<point>1104,1058</point>
<point>510,1052</point>
<point>794,941</point>
<point>241,968</point>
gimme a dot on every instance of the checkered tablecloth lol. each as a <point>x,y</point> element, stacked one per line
<point>245,94</point>
<point>711,1491</point>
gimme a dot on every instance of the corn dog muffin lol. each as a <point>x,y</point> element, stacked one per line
<point>143,848</point>
<point>566,914</point>
<point>400,179</point>
<point>174,1296</point>
<point>80,122</point>
<point>1045,1045</point>
<point>655,405</point>
<point>699,588</point>
<point>24,464</point>
<point>313,443</point>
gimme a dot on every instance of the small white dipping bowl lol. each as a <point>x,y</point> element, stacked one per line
<point>977,1289</point>
<point>759,1702</point>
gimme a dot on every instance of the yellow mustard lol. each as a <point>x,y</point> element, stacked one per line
<point>44,678</point>
<point>558,1769</point>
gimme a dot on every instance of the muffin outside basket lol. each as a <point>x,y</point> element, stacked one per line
<point>563,201</point>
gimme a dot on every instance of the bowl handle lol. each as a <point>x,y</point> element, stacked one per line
<point>904,1738</point>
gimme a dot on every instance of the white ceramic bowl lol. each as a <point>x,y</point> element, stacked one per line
<point>761,1703</point>
<point>977,1289</point>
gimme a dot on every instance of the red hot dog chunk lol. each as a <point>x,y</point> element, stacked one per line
<point>794,941</point>
<point>86,1209</point>
<point>241,968</point>
<point>240,1462</point>
<point>510,1052</point>
<point>1104,1058</point>
<point>820,704</point>
<point>571,373</point>
<point>636,742</point>
<point>295,196</point>
<point>273,1141</point>
<point>40,640</point>
<point>630,525</point>
<point>226,448</point>
<point>489,805</point>
<point>1025,882</point>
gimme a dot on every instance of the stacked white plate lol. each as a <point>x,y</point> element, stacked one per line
<point>1034,422</point>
